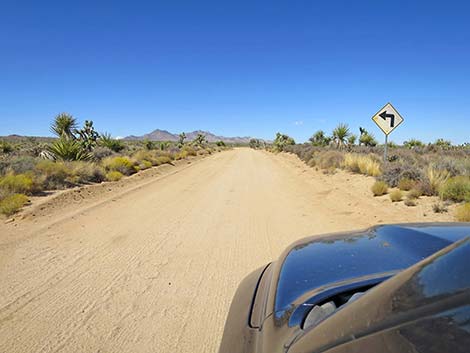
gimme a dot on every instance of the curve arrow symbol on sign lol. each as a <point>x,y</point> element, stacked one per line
<point>384,116</point>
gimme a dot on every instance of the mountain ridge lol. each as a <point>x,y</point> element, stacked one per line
<point>164,135</point>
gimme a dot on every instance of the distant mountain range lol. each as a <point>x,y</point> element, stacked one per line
<point>163,135</point>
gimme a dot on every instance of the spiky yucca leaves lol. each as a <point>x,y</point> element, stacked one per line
<point>69,150</point>
<point>340,135</point>
<point>106,140</point>
<point>64,126</point>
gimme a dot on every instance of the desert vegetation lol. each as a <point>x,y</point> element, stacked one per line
<point>412,170</point>
<point>80,155</point>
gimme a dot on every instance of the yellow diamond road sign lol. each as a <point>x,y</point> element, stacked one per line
<point>387,119</point>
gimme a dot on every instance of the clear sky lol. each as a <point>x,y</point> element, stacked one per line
<point>236,67</point>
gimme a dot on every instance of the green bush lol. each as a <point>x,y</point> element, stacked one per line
<point>379,188</point>
<point>456,189</point>
<point>16,184</point>
<point>121,164</point>
<point>462,212</point>
<point>12,204</point>
<point>396,195</point>
<point>114,176</point>
<point>162,160</point>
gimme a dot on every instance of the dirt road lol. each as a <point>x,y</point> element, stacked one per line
<point>154,270</point>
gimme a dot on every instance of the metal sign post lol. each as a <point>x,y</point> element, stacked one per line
<point>387,119</point>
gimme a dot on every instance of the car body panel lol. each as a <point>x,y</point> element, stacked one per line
<point>313,268</point>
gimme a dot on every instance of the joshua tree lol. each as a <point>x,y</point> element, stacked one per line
<point>320,139</point>
<point>340,135</point>
<point>181,139</point>
<point>87,136</point>
<point>200,140</point>
<point>281,141</point>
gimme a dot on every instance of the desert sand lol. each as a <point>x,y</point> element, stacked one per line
<point>150,264</point>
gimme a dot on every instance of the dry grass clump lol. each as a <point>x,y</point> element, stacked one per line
<point>462,212</point>
<point>114,175</point>
<point>435,179</point>
<point>363,164</point>
<point>414,194</point>
<point>12,204</point>
<point>379,188</point>
<point>456,189</point>
<point>406,184</point>
<point>396,195</point>
<point>120,164</point>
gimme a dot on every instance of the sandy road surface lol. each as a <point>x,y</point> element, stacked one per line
<point>154,270</point>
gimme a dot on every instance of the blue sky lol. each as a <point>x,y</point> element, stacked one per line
<point>236,67</point>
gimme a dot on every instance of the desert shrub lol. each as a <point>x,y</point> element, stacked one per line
<point>114,175</point>
<point>312,162</point>
<point>145,165</point>
<point>392,173</point>
<point>450,165</point>
<point>101,152</point>
<point>22,164</point>
<point>121,164</point>
<point>406,184</point>
<point>190,151</point>
<point>362,164</point>
<point>85,172</point>
<point>52,175</point>
<point>330,159</point>
<point>410,202</point>
<point>462,212</point>
<point>162,160</point>
<point>12,204</point>
<point>456,189</point>
<point>181,155</point>
<point>16,184</point>
<point>379,188</point>
<point>396,195</point>
<point>6,147</point>
<point>414,194</point>
<point>439,207</point>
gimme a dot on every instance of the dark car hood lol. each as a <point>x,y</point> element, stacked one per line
<point>321,261</point>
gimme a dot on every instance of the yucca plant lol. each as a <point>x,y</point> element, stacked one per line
<point>106,140</point>
<point>64,126</point>
<point>68,150</point>
<point>341,134</point>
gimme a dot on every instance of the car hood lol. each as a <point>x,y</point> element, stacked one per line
<point>319,262</point>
